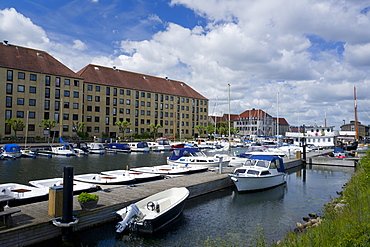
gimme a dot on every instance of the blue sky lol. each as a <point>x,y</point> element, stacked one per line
<point>313,52</point>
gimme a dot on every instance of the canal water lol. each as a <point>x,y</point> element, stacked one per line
<point>227,214</point>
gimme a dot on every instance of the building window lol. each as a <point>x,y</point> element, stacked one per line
<point>8,114</point>
<point>57,105</point>
<point>89,88</point>
<point>20,88</point>
<point>32,89</point>
<point>89,97</point>
<point>57,81</point>
<point>127,111</point>
<point>148,113</point>
<point>89,108</point>
<point>107,120</point>
<point>75,94</point>
<point>65,116</point>
<point>97,108</point>
<point>107,111</point>
<point>107,100</point>
<point>128,102</point>
<point>65,128</point>
<point>121,101</point>
<point>66,93</point>
<point>121,91</point>
<point>47,80</point>
<point>88,129</point>
<point>75,105</point>
<point>114,91</point>
<point>75,117</point>
<point>47,105</point>
<point>97,98</point>
<point>57,93</point>
<point>97,119</point>
<point>107,90</point>
<point>33,77</point>
<point>47,92</point>
<point>96,129</point>
<point>9,88</point>
<point>32,102</point>
<point>9,75</point>
<point>67,82</point>
<point>20,101</point>
<point>97,88</point>
<point>128,92</point>
<point>31,114</point>
<point>88,119</point>
<point>148,104</point>
<point>20,114</point>
<point>21,75</point>
<point>76,83</point>
<point>56,117</point>
<point>66,105</point>
<point>31,127</point>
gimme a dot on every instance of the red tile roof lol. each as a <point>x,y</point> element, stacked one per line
<point>282,121</point>
<point>120,78</point>
<point>22,58</point>
<point>253,113</point>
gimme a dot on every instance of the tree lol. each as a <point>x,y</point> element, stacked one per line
<point>200,129</point>
<point>122,125</point>
<point>78,127</point>
<point>48,124</point>
<point>15,124</point>
<point>154,129</point>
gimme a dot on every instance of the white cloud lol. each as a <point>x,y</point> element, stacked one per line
<point>79,45</point>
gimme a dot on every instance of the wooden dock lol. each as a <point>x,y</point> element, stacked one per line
<point>33,224</point>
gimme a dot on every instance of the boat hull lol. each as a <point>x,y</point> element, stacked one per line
<point>250,183</point>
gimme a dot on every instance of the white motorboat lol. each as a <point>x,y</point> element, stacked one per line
<point>23,194</point>
<point>11,151</point>
<point>261,150</point>
<point>139,147</point>
<point>260,172</point>
<point>154,212</point>
<point>194,157</point>
<point>171,169</point>
<point>51,182</point>
<point>96,148</point>
<point>28,153</point>
<point>66,150</point>
<point>104,179</point>
<point>138,176</point>
<point>162,144</point>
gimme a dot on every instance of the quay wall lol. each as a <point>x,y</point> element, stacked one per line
<point>33,224</point>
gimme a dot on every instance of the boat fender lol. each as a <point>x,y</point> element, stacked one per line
<point>153,206</point>
<point>234,179</point>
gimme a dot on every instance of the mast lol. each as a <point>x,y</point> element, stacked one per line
<point>277,117</point>
<point>356,120</point>
<point>229,119</point>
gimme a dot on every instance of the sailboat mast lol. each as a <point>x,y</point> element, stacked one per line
<point>356,120</point>
<point>229,118</point>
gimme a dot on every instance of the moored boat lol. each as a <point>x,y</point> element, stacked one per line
<point>119,147</point>
<point>96,148</point>
<point>154,212</point>
<point>194,157</point>
<point>11,151</point>
<point>139,147</point>
<point>51,182</point>
<point>22,194</point>
<point>67,150</point>
<point>260,172</point>
<point>171,169</point>
<point>138,176</point>
<point>104,179</point>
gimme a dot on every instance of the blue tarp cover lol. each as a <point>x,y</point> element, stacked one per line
<point>142,145</point>
<point>11,148</point>
<point>269,158</point>
<point>122,146</point>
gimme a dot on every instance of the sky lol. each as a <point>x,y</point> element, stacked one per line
<point>298,60</point>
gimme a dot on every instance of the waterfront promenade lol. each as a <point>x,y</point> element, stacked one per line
<point>33,224</point>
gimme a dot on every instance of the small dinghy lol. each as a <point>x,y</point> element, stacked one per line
<point>154,212</point>
<point>51,182</point>
<point>171,169</point>
<point>138,176</point>
<point>23,194</point>
<point>104,179</point>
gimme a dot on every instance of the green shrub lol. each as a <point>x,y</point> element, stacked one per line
<point>87,197</point>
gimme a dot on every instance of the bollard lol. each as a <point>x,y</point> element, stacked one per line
<point>67,216</point>
<point>220,165</point>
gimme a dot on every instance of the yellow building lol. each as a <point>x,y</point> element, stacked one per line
<point>113,95</point>
<point>36,86</point>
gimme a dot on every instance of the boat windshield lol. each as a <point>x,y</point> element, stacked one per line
<point>262,163</point>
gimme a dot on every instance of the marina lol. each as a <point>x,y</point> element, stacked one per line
<point>33,224</point>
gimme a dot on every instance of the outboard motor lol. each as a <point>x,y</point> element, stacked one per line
<point>130,214</point>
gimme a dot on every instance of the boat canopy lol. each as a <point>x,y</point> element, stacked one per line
<point>180,152</point>
<point>271,158</point>
<point>11,148</point>
<point>122,146</point>
<point>142,145</point>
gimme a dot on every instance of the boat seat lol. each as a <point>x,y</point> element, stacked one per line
<point>164,203</point>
